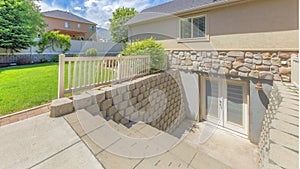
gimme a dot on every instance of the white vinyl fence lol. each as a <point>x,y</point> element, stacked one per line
<point>77,47</point>
<point>79,73</point>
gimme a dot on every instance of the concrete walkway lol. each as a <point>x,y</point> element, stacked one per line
<point>43,142</point>
<point>142,146</point>
<point>92,142</point>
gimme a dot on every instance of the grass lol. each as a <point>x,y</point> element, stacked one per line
<point>23,87</point>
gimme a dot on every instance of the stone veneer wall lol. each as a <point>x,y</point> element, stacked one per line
<point>258,65</point>
<point>154,99</point>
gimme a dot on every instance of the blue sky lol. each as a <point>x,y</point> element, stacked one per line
<point>98,11</point>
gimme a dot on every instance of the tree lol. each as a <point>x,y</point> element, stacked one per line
<point>118,31</point>
<point>54,40</point>
<point>20,21</point>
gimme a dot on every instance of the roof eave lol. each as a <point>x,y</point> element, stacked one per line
<point>217,4</point>
<point>69,20</point>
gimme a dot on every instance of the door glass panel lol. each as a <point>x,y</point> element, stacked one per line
<point>212,94</point>
<point>235,104</point>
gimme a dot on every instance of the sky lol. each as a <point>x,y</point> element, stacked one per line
<point>98,11</point>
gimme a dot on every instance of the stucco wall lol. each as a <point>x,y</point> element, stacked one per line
<point>190,88</point>
<point>160,30</point>
<point>254,25</point>
<point>259,101</point>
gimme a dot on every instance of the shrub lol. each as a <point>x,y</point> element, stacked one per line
<point>54,40</point>
<point>76,55</point>
<point>44,60</point>
<point>148,47</point>
<point>55,58</point>
<point>91,52</point>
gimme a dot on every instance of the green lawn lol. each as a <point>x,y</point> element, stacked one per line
<point>23,87</point>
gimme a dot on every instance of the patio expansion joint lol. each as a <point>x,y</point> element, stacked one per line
<point>138,163</point>
<point>55,154</point>
<point>95,155</point>
<point>192,160</point>
<point>108,146</point>
<point>85,134</point>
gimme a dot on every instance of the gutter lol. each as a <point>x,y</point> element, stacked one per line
<point>210,6</point>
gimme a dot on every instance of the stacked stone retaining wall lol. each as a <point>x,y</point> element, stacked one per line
<point>155,99</point>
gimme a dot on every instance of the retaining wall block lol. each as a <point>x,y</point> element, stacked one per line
<point>61,107</point>
<point>82,101</point>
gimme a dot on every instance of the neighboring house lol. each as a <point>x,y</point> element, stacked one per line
<point>228,51</point>
<point>103,35</point>
<point>70,24</point>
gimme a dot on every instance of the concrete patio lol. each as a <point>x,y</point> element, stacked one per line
<point>66,142</point>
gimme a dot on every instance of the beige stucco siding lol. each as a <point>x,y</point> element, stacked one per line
<point>254,25</point>
<point>163,29</point>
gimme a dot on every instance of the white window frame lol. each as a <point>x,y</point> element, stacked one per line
<point>67,24</point>
<point>93,27</point>
<point>205,37</point>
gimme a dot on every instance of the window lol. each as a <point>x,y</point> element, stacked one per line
<point>92,27</point>
<point>67,25</point>
<point>186,28</point>
<point>78,25</point>
<point>193,27</point>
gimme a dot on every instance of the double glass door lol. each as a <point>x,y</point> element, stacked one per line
<point>224,102</point>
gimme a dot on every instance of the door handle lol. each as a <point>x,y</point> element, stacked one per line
<point>221,104</point>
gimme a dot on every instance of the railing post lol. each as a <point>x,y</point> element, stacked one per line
<point>61,76</point>
<point>119,67</point>
<point>149,64</point>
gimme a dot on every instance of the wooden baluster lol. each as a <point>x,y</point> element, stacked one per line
<point>80,74</point>
<point>84,73</point>
<point>69,75</point>
<point>74,75</point>
<point>89,73</point>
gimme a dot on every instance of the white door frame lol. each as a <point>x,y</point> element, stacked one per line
<point>216,120</point>
<point>222,105</point>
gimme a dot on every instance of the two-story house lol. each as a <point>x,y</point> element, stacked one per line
<point>70,24</point>
<point>228,51</point>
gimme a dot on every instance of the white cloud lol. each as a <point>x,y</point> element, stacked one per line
<point>100,11</point>
<point>48,7</point>
<point>77,8</point>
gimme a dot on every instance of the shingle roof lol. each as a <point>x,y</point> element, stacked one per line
<point>172,7</point>
<point>66,15</point>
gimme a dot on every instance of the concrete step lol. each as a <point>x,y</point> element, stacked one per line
<point>289,110</point>
<point>290,102</point>
<point>271,166</point>
<point>284,157</point>
<point>137,126</point>
<point>284,139</point>
<point>285,127</point>
<point>287,118</point>
<point>289,95</point>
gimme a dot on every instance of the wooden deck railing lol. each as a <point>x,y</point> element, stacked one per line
<point>79,73</point>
